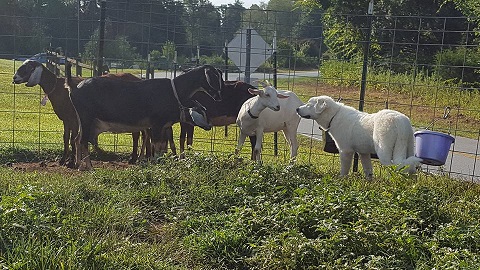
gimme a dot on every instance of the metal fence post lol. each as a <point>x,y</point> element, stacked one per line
<point>366,51</point>
<point>225,48</point>
<point>274,57</point>
<point>101,38</point>
<point>248,52</point>
<point>226,76</point>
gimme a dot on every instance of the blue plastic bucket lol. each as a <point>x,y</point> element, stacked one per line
<point>432,147</point>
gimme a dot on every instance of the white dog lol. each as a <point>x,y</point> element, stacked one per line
<point>387,133</point>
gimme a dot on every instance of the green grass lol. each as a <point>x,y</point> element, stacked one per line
<point>214,211</point>
<point>217,212</point>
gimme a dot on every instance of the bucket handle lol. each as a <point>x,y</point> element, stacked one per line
<point>446,112</point>
<point>446,115</point>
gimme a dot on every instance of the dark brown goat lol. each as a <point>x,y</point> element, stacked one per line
<point>103,105</point>
<point>219,113</point>
<point>146,145</point>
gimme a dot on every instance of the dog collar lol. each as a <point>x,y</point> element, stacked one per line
<point>330,123</point>
<point>251,115</point>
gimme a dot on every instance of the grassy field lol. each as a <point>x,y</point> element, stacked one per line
<point>218,212</point>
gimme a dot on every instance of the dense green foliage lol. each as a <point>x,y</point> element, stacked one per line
<point>422,88</point>
<point>407,36</point>
<point>458,65</point>
<point>210,212</point>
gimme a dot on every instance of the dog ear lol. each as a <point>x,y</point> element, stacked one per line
<point>320,106</point>
<point>35,76</point>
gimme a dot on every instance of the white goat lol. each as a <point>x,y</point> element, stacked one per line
<point>253,119</point>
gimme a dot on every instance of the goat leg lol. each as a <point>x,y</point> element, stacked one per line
<point>147,136</point>
<point>134,154</point>
<point>253,141</point>
<point>183,134</point>
<point>143,149</point>
<point>190,136</point>
<point>66,142</point>
<point>169,138</point>
<point>85,162</point>
<point>71,162</point>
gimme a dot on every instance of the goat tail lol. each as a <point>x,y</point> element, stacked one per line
<point>68,76</point>
<point>78,137</point>
<point>69,84</point>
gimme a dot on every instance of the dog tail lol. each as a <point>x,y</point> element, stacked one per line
<point>410,164</point>
<point>404,153</point>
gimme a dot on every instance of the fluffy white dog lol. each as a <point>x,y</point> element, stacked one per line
<point>387,133</point>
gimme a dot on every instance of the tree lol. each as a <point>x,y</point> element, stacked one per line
<point>284,16</point>
<point>471,9</point>
<point>346,28</point>
<point>148,24</point>
<point>115,49</point>
<point>23,30</point>
<point>203,21</point>
<point>168,50</point>
<point>231,15</point>
<point>257,17</point>
<point>309,29</point>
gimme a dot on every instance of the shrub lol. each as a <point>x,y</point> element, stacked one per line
<point>341,73</point>
<point>457,65</point>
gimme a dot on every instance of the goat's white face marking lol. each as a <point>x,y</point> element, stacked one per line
<point>268,97</point>
<point>29,72</point>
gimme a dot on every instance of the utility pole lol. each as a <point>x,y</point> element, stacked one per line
<point>366,52</point>
<point>101,38</point>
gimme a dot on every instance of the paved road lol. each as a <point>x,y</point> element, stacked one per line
<point>463,161</point>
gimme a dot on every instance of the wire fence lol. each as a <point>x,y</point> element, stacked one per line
<point>421,66</point>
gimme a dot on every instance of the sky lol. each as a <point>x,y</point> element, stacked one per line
<point>246,3</point>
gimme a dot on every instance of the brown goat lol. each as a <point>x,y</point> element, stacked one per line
<point>34,73</point>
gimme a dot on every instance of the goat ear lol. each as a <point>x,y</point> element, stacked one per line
<point>320,106</point>
<point>214,78</point>
<point>35,77</point>
<point>282,95</point>
<point>199,119</point>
